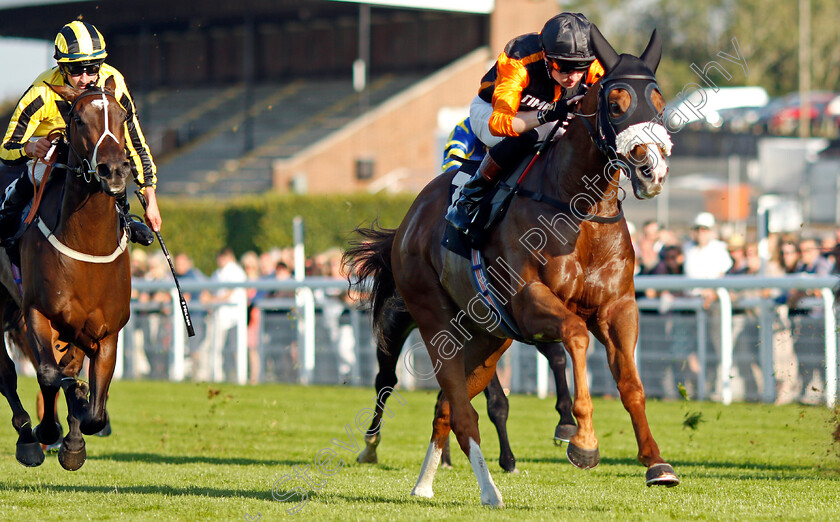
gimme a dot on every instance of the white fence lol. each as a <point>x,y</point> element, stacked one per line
<point>312,337</point>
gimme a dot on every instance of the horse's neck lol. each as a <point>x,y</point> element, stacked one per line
<point>581,174</point>
<point>86,213</point>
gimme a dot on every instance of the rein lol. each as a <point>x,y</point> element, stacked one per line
<point>85,170</point>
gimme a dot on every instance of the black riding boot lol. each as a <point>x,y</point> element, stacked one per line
<point>461,213</point>
<point>138,232</point>
<point>18,194</point>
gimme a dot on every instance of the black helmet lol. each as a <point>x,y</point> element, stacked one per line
<point>566,37</point>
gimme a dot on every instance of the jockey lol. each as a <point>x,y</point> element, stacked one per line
<point>80,53</point>
<point>461,145</point>
<point>535,82</point>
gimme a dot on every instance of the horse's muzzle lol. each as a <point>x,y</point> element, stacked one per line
<point>113,177</point>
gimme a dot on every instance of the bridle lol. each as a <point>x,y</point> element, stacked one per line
<point>607,129</point>
<point>86,169</point>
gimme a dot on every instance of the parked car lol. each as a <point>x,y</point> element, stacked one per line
<point>781,115</point>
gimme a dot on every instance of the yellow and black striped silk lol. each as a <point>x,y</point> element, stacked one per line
<point>41,110</point>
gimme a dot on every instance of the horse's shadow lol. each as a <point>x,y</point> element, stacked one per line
<point>758,471</point>
<point>153,458</point>
<point>198,491</point>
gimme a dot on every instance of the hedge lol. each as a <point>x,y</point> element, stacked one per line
<point>201,227</point>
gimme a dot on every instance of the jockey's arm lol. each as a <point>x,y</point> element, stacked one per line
<point>153,218</point>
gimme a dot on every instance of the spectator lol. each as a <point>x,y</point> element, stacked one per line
<point>737,254</point>
<point>649,247</point>
<point>706,257</point>
<point>223,319</point>
<point>810,259</point>
<point>810,262</point>
<point>785,362</point>
<point>185,271</point>
<point>250,262</point>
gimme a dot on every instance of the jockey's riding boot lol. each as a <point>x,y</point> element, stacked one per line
<point>18,194</point>
<point>461,213</point>
<point>138,232</point>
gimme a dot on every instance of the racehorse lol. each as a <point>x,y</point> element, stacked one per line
<point>389,348</point>
<point>76,278</point>
<point>563,253</point>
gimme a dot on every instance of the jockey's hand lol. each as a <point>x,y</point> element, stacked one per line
<point>555,111</point>
<point>575,100</point>
<point>37,149</point>
<point>153,218</point>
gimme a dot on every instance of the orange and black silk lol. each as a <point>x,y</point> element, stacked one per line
<point>519,81</point>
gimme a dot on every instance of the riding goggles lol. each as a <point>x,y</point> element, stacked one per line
<point>567,66</point>
<point>78,69</point>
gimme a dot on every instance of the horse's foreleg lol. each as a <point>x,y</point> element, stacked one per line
<point>556,355</point>
<point>72,453</point>
<point>440,436</point>
<point>40,335</point>
<point>101,372</point>
<point>583,446</point>
<point>618,329</point>
<point>497,409</point>
<point>28,451</point>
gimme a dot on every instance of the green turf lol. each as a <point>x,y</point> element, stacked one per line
<point>185,452</point>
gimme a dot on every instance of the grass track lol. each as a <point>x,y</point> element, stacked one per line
<point>181,452</point>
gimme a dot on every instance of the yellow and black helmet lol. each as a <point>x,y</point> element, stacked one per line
<point>79,42</point>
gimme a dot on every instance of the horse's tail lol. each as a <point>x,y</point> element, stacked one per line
<point>369,260</point>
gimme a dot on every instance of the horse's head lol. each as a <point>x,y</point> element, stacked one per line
<point>629,114</point>
<point>95,132</point>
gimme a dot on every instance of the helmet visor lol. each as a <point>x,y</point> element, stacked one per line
<point>567,66</point>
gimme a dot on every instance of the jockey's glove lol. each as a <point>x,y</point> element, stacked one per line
<point>556,111</point>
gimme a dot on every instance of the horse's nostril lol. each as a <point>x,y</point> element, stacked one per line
<point>645,171</point>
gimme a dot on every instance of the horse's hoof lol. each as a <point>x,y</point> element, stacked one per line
<point>104,432</point>
<point>29,454</point>
<point>508,464</point>
<point>564,433</point>
<point>661,474</point>
<point>45,438</point>
<point>583,458</point>
<point>71,460</point>
<point>368,455</point>
<point>424,492</point>
<point>493,499</point>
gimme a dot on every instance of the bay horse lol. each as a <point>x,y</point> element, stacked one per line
<point>76,278</point>
<point>389,347</point>
<point>562,251</point>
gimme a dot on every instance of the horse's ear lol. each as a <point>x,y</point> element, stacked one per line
<point>603,50</point>
<point>65,91</point>
<point>653,52</point>
<point>111,85</point>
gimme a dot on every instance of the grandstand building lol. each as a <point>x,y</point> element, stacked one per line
<point>259,95</point>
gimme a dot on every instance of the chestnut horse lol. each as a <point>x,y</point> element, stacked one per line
<point>569,266</point>
<point>76,278</point>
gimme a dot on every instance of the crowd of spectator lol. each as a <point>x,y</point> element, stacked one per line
<point>215,313</point>
<point>705,253</point>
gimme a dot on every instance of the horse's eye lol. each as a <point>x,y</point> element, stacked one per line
<point>615,109</point>
<point>78,121</point>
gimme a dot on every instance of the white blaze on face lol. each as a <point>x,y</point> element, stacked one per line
<point>657,141</point>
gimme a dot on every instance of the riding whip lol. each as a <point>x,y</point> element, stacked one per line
<point>184,309</point>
